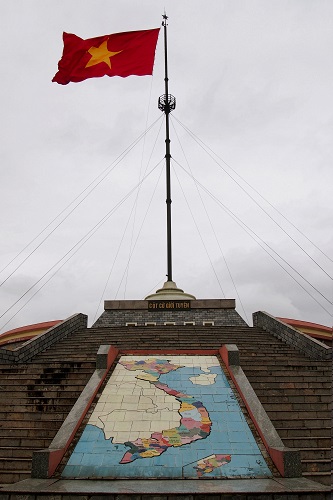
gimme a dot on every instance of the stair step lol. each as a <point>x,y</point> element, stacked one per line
<point>22,383</point>
<point>315,453</point>
<point>304,432</point>
<point>298,407</point>
<point>321,477</point>
<point>28,432</point>
<point>315,466</point>
<point>295,399</point>
<point>286,372</point>
<point>22,464</point>
<point>35,442</point>
<point>21,413</point>
<point>47,390</point>
<point>310,395</point>
<point>48,399</point>
<point>308,442</point>
<point>41,420</point>
<point>9,452</point>
<point>266,385</point>
<point>306,423</point>
<point>15,371</point>
<point>10,477</point>
<point>296,415</point>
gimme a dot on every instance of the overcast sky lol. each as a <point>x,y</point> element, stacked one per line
<point>253,81</point>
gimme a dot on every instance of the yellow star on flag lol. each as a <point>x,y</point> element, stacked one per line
<point>101,54</point>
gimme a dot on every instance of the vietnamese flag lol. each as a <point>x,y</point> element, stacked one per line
<point>120,54</point>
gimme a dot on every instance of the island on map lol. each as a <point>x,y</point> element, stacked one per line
<point>208,464</point>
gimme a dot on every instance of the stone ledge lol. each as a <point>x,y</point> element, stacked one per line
<point>120,305</point>
<point>160,487</point>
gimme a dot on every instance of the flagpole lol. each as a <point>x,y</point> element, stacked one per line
<point>167,103</point>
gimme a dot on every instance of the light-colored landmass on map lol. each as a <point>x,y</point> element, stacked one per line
<point>204,379</point>
<point>131,407</point>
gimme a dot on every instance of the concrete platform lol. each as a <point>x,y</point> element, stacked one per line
<point>159,488</point>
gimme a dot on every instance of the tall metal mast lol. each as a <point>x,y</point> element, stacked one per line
<point>167,103</point>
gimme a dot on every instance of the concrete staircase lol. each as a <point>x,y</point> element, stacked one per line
<point>36,397</point>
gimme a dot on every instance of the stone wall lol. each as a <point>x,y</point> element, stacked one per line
<point>200,312</point>
<point>38,344</point>
<point>304,343</point>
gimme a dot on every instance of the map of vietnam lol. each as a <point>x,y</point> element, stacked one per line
<point>148,405</point>
<point>194,418</point>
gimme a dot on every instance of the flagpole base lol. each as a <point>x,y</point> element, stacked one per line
<point>169,291</point>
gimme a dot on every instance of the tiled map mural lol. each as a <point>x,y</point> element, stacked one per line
<point>167,417</point>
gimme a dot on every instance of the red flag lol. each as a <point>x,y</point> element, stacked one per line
<point>120,54</point>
